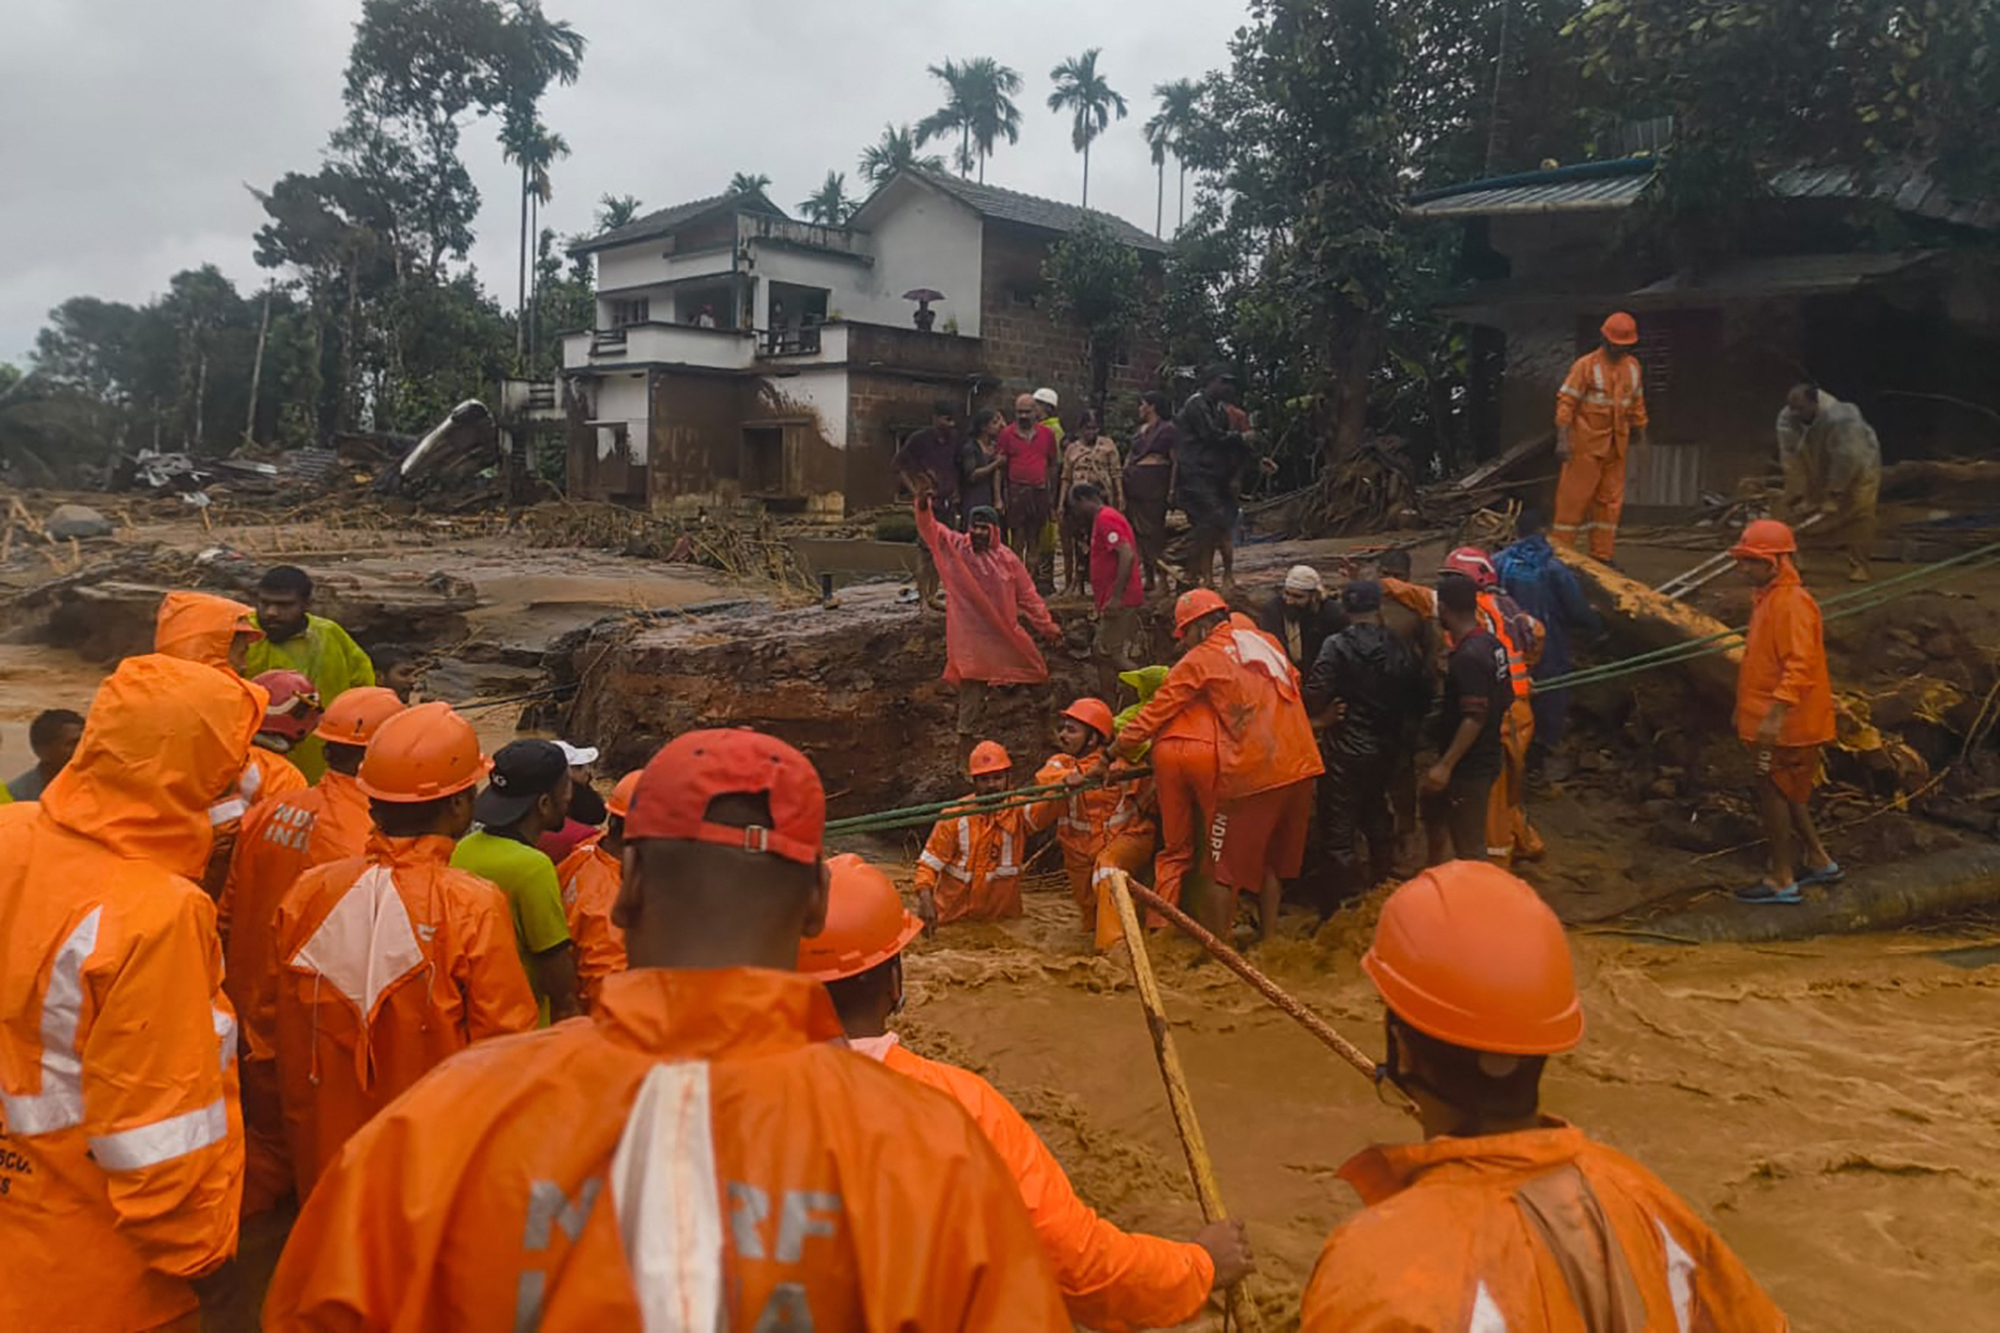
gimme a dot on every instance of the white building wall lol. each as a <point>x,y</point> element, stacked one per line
<point>643,263</point>
<point>821,392</point>
<point>621,396</point>
<point>929,241</point>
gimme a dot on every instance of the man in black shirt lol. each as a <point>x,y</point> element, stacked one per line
<point>1477,694</point>
<point>1377,690</point>
<point>1301,616</point>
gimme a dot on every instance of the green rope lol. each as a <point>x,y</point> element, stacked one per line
<point>915,816</point>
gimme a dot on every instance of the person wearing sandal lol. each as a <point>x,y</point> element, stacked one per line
<point>1784,711</point>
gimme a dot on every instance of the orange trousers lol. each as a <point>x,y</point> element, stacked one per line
<point>1509,835</point>
<point>1589,498</point>
<point>1128,852</point>
<point>1184,775</point>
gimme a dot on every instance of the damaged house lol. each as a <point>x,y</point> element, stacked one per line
<point>1883,289</point>
<point>740,355</point>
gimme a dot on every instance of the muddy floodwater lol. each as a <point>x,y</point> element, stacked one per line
<point>1832,1107</point>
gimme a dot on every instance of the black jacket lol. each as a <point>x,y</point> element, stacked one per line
<point>1314,629</point>
<point>1382,683</point>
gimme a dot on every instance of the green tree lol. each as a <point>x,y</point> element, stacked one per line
<point>1082,90</point>
<point>536,149</point>
<point>829,205</point>
<point>1166,131</point>
<point>1095,282</point>
<point>895,151</point>
<point>744,182</point>
<point>979,107</point>
<point>617,210</point>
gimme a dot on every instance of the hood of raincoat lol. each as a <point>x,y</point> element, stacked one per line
<point>1146,681</point>
<point>165,739</point>
<point>198,626</point>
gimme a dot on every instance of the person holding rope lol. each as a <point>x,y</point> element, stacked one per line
<point>1110,1279</point>
<point>1503,1217</point>
<point>971,863</point>
<point>1099,826</point>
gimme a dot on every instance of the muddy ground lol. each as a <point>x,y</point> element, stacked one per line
<point>1833,1107</point>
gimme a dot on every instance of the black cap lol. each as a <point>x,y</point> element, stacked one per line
<point>1221,370</point>
<point>983,514</point>
<point>1361,597</point>
<point>523,771</point>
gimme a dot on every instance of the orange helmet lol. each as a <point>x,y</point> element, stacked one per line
<point>422,754</point>
<point>1470,955</point>
<point>621,795</point>
<point>1475,564</point>
<point>1765,539</point>
<point>1193,605</point>
<point>294,708</point>
<point>1093,713</point>
<point>989,757</point>
<point>1620,330</point>
<point>866,922</point>
<point>353,717</point>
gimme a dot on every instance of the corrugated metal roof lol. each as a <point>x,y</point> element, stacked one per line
<point>1783,275</point>
<point>1567,196</point>
<point>1907,189</point>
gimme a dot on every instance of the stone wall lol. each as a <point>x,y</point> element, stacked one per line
<point>1025,348</point>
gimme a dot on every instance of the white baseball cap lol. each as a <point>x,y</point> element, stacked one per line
<point>1303,578</point>
<point>1047,395</point>
<point>579,756</point>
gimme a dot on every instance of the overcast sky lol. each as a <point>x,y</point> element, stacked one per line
<point>134,125</point>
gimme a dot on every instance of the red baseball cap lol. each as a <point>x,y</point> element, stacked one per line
<point>694,769</point>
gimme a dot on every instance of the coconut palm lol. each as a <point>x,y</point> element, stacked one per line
<point>979,106</point>
<point>829,205</point>
<point>1170,127</point>
<point>744,182</point>
<point>617,210</point>
<point>1082,91</point>
<point>895,151</point>
<point>531,144</point>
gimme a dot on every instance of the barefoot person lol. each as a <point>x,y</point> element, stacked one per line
<point>1784,711</point>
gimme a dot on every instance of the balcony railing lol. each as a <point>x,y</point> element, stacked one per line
<point>657,343</point>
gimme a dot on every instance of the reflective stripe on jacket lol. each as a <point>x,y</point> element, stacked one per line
<point>387,963</point>
<point>124,1165</point>
<point>590,877</point>
<point>972,862</point>
<point>1541,1231</point>
<point>698,1153</point>
<point>1088,818</point>
<point>1602,403</point>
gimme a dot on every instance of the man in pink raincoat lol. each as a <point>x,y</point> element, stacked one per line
<point>988,593</point>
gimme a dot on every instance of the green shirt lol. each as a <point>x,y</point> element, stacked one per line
<point>528,878</point>
<point>327,656</point>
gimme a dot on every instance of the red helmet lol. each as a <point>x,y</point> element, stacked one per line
<point>866,922</point>
<point>1193,605</point>
<point>1093,713</point>
<point>294,708</point>
<point>1470,955</point>
<point>1475,565</point>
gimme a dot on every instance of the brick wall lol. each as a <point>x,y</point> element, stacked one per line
<point>1026,348</point>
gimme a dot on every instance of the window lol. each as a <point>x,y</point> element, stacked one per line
<point>635,311</point>
<point>1023,293</point>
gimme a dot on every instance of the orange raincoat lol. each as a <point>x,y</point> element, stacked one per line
<point>388,963</point>
<point>280,840</point>
<point>972,862</point>
<point>1110,1279</point>
<point>986,597</point>
<point>1541,1231</point>
<point>699,1152</point>
<point>1508,832</point>
<point>121,1152</point>
<point>1602,402</point>
<point>1263,737</point>
<point>1099,828</point>
<point>1784,658</point>
<point>590,877</point>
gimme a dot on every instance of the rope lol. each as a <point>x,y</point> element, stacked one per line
<point>915,816</point>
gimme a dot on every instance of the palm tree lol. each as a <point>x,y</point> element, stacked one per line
<point>526,140</point>
<point>979,105</point>
<point>1158,142</point>
<point>1083,91</point>
<point>829,205</point>
<point>745,183</point>
<point>1172,126</point>
<point>895,151</point>
<point>617,210</point>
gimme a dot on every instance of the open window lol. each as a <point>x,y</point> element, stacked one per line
<point>793,320</point>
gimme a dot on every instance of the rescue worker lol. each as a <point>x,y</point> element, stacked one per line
<point>123,1165</point>
<point>297,640</point>
<point>528,794</point>
<point>1509,835</point>
<point>701,1152</point>
<point>293,712</point>
<point>988,593</point>
<point>1784,711</point>
<point>1547,589</point>
<point>1091,819</point>
<point>390,961</point>
<point>1110,1279</point>
<point>1600,417</point>
<point>1478,692</point>
<point>1301,617</point>
<point>1504,1218</point>
<point>589,877</point>
<point>1265,754</point>
<point>282,837</point>
<point>970,867</point>
<point>1833,467</point>
<point>1371,687</point>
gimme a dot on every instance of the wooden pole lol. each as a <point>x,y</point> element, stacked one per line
<point>1240,1307</point>
<point>1266,987</point>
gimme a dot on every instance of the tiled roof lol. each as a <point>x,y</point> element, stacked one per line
<point>666,219</point>
<point>1031,211</point>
